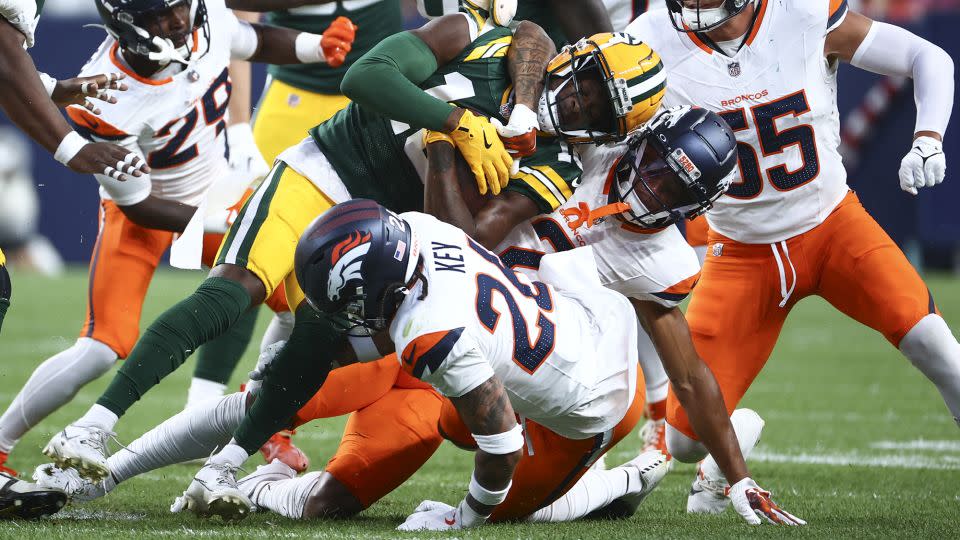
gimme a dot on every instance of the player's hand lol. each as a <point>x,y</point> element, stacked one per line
<point>338,40</point>
<point>520,134</point>
<point>756,506</point>
<point>109,160</point>
<point>481,147</point>
<point>924,166</point>
<point>76,91</point>
<point>245,157</point>
<point>432,516</point>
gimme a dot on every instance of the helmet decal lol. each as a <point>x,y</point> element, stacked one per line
<point>347,258</point>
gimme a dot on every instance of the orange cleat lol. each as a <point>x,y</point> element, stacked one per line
<point>281,447</point>
<point>3,465</point>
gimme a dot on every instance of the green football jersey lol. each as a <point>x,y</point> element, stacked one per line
<point>380,159</point>
<point>375,20</point>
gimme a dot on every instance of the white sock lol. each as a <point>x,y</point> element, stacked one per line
<point>52,385</point>
<point>653,372</point>
<point>203,390</point>
<point>279,329</point>
<point>193,433</point>
<point>932,348</point>
<point>595,489</point>
<point>748,425</point>
<point>231,454</point>
<point>99,416</point>
<point>286,497</point>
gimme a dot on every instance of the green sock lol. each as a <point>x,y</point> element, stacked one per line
<point>211,310</point>
<point>217,359</point>
<point>294,376</point>
<point>5,292</point>
<point>4,304</point>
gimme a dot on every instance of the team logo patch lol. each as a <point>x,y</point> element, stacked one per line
<point>734,69</point>
<point>347,258</point>
<point>293,100</point>
<point>717,249</point>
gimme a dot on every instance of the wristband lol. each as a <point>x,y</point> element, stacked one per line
<point>501,443</point>
<point>468,516</point>
<point>69,147</point>
<point>49,83</point>
<point>307,48</point>
<point>484,496</point>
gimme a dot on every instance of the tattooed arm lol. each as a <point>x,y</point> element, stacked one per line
<point>485,410</point>
<point>531,51</point>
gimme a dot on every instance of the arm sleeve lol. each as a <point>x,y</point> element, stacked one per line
<point>294,376</point>
<point>891,50</point>
<point>245,41</point>
<point>385,81</point>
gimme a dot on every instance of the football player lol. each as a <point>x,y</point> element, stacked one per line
<point>790,227</point>
<point>175,54</point>
<point>394,429</point>
<point>372,149</point>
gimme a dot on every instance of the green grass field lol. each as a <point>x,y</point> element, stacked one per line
<point>856,441</point>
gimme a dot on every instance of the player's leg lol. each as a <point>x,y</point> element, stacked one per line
<point>285,114</point>
<point>382,446</point>
<point>867,277</point>
<point>257,254</point>
<point>6,289</point>
<point>122,264</point>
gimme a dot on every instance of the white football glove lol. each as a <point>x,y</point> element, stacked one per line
<point>245,157</point>
<point>432,516</point>
<point>263,362</point>
<point>924,166</point>
<point>754,504</point>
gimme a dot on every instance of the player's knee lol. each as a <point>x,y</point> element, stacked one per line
<point>330,499</point>
<point>683,448</point>
<point>247,279</point>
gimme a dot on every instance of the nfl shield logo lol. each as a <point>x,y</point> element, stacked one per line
<point>734,69</point>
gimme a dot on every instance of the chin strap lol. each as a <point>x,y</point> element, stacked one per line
<point>583,215</point>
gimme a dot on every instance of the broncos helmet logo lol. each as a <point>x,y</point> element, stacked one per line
<point>346,259</point>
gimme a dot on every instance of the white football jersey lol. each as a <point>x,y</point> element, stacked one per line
<point>566,352</point>
<point>779,95</point>
<point>648,265</point>
<point>174,120</point>
<point>623,11</point>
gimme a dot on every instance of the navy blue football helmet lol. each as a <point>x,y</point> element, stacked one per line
<point>124,20</point>
<point>354,262</point>
<point>675,167</point>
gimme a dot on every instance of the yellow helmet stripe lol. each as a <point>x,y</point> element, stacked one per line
<point>647,84</point>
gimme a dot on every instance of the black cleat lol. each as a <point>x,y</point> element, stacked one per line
<point>23,500</point>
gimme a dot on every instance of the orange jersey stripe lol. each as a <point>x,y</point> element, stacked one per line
<point>96,125</point>
<point>758,23</point>
<point>684,287</point>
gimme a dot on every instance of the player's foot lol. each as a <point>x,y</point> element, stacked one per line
<point>69,481</point>
<point>19,499</point>
<point>653,434</point>
<point>3,465</point>
<point>81,447</point>
<point>707,495</point>
<point>653,466</point>
<point>251,484</point>
<point>281,447</point>
<point>214,492</point>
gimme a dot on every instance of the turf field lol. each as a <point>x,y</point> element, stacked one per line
<point>856,441</point>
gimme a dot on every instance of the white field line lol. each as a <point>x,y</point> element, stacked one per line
<point>918,444</point>
<point>846,459</point>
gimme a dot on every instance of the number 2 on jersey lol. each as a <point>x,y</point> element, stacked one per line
<point>527,355</point>
<point>773,142</point>
<point>171,155</point>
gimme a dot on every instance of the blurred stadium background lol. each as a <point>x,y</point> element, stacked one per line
<point>40,200</point>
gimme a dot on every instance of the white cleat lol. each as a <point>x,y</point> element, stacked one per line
<point>214,492</point>
<point>653,466</point>
<point>653,436</point>
<point>707,495</point>
<point>252,484</point>
<point>69,481</point>
<point>81,447</point>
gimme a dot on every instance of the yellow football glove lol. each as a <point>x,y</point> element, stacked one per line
<point>430,137</point>
<point>480,145</point>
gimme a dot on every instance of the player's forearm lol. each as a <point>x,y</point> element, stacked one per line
<point>160,214</point>
<point>495,473</point>
<point>385,81</point>
<point>294,376</point>
<point>581,18</point>
<point>441,195</point>
<point>527,60</point>
<point>500,215</point>
<point>23,96</point>
<point>240,74</point>
<point>279,46</point>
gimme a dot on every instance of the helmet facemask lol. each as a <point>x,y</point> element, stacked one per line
<point>701,19</point>
<point>576,74</point>
<point>128,28</point>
